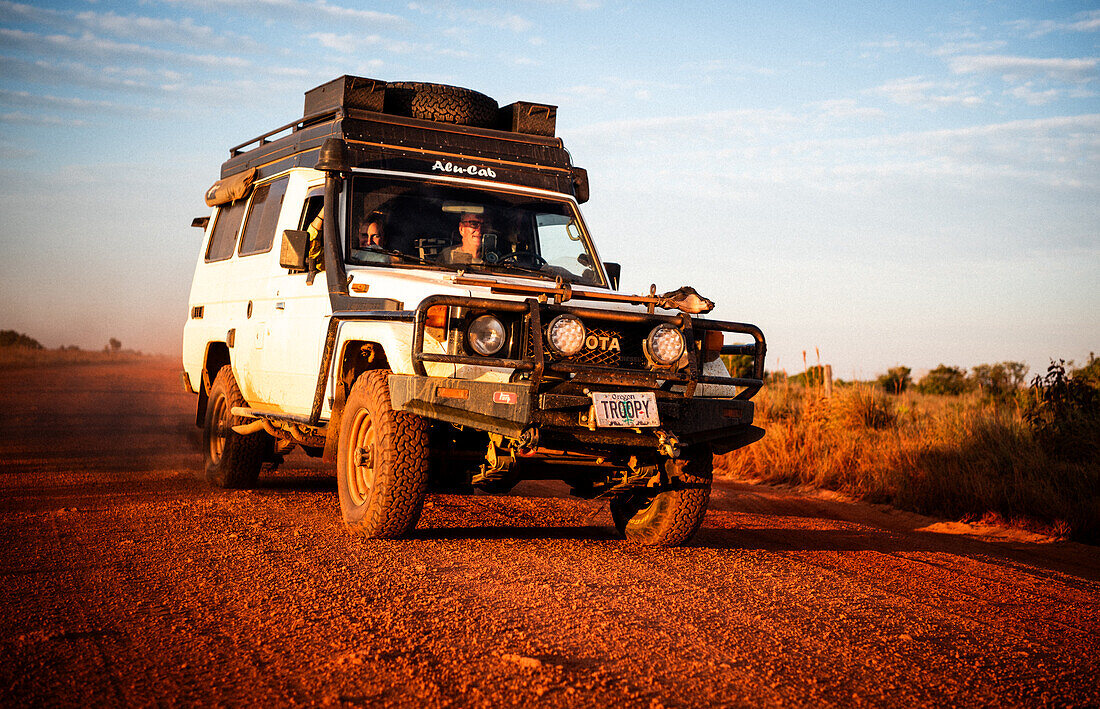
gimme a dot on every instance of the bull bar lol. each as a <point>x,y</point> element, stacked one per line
<point>534,311</point>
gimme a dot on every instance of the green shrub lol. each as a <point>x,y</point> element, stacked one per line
<point>944,380</point>
<point>1064,412</point>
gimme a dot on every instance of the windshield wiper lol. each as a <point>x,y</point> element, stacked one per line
<point>524,269</point>
<point>403,256</point>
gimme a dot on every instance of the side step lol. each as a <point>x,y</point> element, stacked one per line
<point>291,426</point>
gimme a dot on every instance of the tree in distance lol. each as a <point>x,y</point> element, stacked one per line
<point>944,380</point>
<point>11,338</point>
<point>1001,379</point>
<point>896,380</point>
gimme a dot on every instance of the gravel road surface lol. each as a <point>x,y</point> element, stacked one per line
<point>128,581</point>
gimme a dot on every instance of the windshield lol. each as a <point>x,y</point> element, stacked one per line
<point>397,221</point>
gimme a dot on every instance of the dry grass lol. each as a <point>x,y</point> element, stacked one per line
<point>962,457</point>
<point>22,357</point>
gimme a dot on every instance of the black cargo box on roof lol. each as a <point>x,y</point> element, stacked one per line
<point>516,146</point>
<point>346,92</point>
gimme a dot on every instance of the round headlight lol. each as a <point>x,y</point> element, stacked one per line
<point>486,335</point>
<point>665,344</point>
<point>565,334</point>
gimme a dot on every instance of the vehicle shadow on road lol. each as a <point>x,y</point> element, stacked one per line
<point>528,533</point>
<point>297,482</point>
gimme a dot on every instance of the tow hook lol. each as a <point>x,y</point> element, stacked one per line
<point>668,444</point>
<point>527,442</point>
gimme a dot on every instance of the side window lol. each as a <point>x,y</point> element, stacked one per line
<point>263,215</point>
<point>226,225</point>
<point>312,208</point>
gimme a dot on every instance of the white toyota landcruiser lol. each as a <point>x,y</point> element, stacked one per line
<point>477,339</point>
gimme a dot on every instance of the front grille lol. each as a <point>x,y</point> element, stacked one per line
<point>629,355</point>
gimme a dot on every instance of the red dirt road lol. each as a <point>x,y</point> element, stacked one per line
<point>127,580</point>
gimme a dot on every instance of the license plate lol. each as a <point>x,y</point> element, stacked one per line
<point>633,409</point>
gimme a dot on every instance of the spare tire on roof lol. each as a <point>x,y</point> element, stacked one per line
<point>439,102</point>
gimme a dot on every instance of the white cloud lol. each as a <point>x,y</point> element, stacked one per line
<point>294,10</point>
<point>1032,97</point>
<point>894,44</point>
<point>491,18</point>
<point>183,32</point>
<point>1081,22</point>
<point>708,68</point>
<point>585,92</point>
<point>846,108</point>
<point>924,93</point>
<point>699,128</point>
<point>495,19</point>
<point>958,47</point>
<point>76,74</point>
<point>355,43</point>
<point>1015,68</point>
<point>749,155</point>
<point>40,119</point>
<point>88,46</point>
<point>19,12</point>
<point>28,100</point>
<point>11,152</point>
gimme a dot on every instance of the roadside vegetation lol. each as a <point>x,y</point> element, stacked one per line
<point>18,350</point>
<point>982,446</point>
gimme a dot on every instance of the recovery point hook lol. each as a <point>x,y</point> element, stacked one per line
<point>668,444</point>
<point>527,440</point>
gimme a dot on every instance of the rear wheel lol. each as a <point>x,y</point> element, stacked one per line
<point>670,514</point>
<point>382,461</point>
<point>231,460</point>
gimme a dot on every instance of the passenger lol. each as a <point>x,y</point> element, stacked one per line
<point>471,226</point>
<point>316,242</point>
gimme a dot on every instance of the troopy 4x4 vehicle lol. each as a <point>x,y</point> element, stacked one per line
<point>477,339</point>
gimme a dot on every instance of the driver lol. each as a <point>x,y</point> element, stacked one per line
<point>471,226</point>
<point>370,236</point>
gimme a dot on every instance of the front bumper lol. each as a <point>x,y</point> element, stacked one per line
<point>535,363</point>
<point>515,409</point>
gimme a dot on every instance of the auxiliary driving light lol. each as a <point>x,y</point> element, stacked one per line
<point>565,334</point>
<point>665,345</point>
<point>486,335</point>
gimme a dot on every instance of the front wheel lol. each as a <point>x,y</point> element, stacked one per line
<point>670,514</point>
<point>382,461</point>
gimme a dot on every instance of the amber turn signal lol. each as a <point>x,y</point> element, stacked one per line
<point>437,316</point>
<point>712,344</point>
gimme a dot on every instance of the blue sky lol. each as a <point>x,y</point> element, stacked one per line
<point>880,183</point>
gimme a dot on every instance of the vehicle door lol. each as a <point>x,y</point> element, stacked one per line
<point>296,311</point>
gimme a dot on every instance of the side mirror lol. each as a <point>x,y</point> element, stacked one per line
<point>295,247</point>
<point>613,271</point>
<point>580,184</point>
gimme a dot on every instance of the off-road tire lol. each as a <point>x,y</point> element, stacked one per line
<point>671,514</point>
<point>438,102</point>
<point>231,460</point>
<point>381,461</point>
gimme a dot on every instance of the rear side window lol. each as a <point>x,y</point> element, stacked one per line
<point>226,225</point>
<point>263,215</point>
